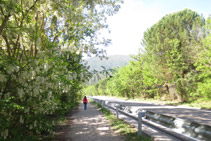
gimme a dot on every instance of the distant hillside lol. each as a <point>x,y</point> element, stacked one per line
<point>113,61</point>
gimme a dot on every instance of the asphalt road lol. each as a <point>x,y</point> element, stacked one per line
<point>183,112</point>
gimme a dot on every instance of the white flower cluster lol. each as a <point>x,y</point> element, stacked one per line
<point>3,78</point>
<point>38,83</point>
<point>4,134</point>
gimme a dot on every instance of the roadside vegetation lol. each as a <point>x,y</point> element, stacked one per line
<point>41,65</point>
<point>122,127</point>
<point>174,65</point>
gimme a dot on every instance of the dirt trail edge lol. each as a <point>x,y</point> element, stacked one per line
<point>87,125</point>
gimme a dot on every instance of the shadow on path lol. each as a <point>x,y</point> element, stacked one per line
<point>88,125</point>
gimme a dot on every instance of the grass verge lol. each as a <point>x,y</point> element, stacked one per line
<point>121,126</point>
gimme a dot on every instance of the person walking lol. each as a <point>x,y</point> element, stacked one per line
<point>85,101</point>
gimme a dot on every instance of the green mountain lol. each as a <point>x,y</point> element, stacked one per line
<point>113,61</point>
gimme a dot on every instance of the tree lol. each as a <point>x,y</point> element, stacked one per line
<point>171,44</point>
<point>41,69</point>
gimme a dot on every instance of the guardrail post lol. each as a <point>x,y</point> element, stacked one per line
<point>140,115</point>
<point>117,110</point>
<point>106,103</point>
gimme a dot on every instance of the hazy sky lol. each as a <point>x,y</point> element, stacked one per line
<point>135,16</point>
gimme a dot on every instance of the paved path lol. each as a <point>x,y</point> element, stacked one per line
<point>187,113</point>
<point>90,125</point>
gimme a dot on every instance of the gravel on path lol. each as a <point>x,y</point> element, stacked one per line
<point>90,125</point>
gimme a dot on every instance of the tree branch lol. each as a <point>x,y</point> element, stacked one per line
<point>31,51</point>
<point>21,56</point>
<point>7,43</point>
<point>35,45</point>
<point>16,45</point>
<point>3,24</point>
<point>18,50</point>
<point>27,11</point>
<point>1,10</point>
<point>55,38</point>
<point>23,52</point>
<point>31,7</point>
<point>43,23</point>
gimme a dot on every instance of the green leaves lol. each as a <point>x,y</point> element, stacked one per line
<point>203,66</point>
<point>177,53</point>
<point>204,88</point>
<point>41,67</point>
<point>134,80</point>
<point>171,45</point>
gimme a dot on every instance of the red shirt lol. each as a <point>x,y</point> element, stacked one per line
<point>85,100</point>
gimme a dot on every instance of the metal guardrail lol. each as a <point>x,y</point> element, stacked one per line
<point>196,130</point>
<point>145,121</point>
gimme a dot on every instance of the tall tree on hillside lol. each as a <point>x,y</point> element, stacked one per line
<point>171,44</point>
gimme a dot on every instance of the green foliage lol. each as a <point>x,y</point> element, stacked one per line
<point>171,43</point>
<point>203,65</point>
<point>134,80</point>
<point>41,67</point>
<point>205,88</point>
<point>90,90</point>
<point>126,82</point>
<point>174,65</point>
<point>103,67</point>
<point>97,89</point>
<point>33,97</point>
